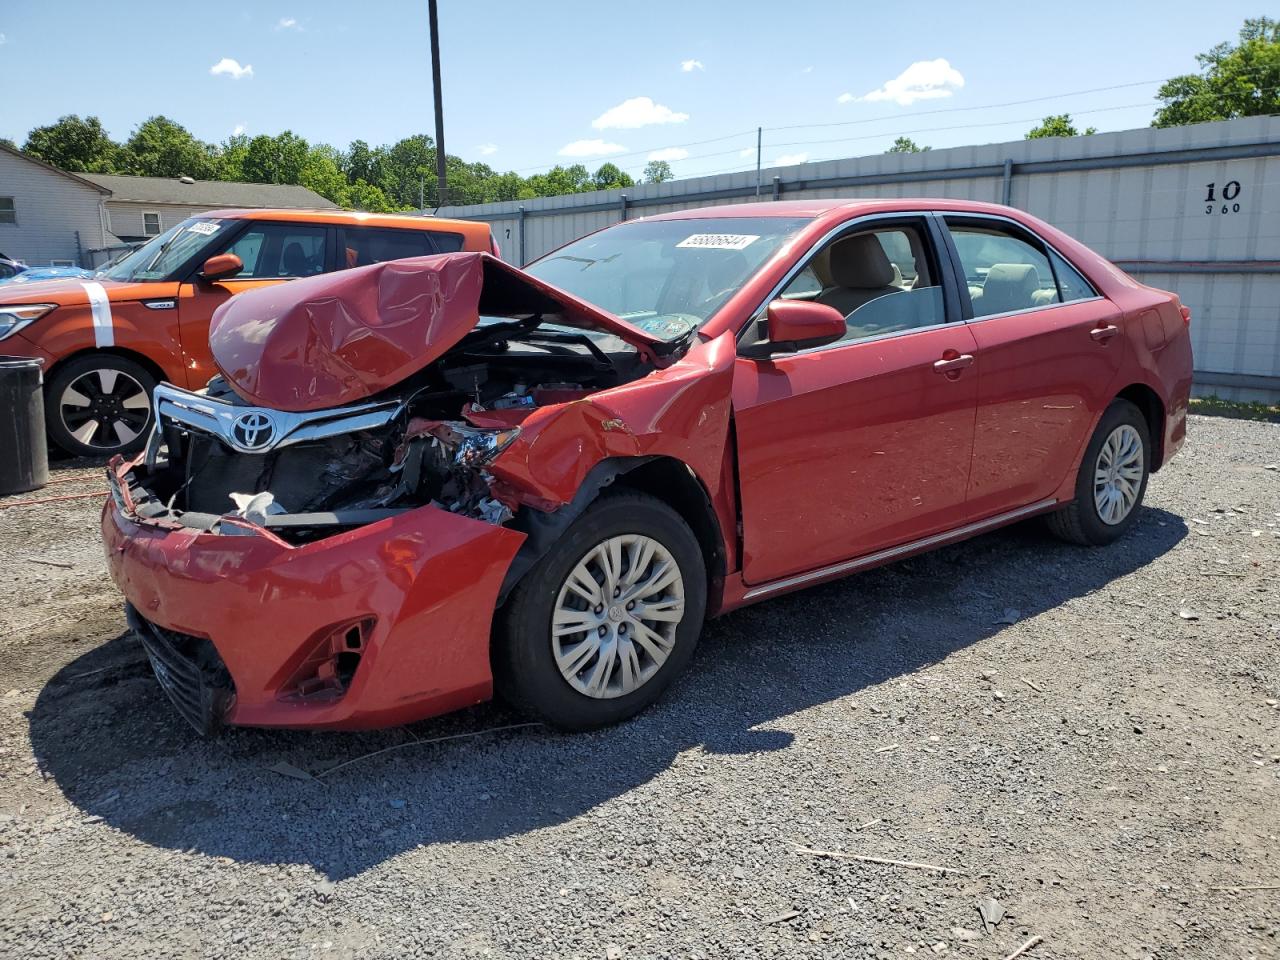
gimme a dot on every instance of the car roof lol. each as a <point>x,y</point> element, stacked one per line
<point>834,207</point>
<point>395,220</point>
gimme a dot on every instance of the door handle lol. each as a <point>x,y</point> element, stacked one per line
<point>954,364</point>
<point>1103,334</point>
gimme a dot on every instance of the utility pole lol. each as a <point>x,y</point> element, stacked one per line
<point>759,132</point>
<point>441,187</point>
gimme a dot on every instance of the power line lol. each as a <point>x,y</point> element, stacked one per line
<point>839,123</point>
<point>989,106</point>
<point>875,136</point>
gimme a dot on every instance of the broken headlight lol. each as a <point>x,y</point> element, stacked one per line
<point>477,449</point>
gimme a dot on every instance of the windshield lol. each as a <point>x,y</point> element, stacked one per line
<point>159,257</point>
<point>666,277</point>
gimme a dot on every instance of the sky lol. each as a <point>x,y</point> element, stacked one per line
<point>528,85</point>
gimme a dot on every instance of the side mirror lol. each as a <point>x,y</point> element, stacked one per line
<point>223,265</point>
<point>795,325</point>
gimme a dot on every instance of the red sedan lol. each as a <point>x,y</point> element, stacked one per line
<point>417,482</point>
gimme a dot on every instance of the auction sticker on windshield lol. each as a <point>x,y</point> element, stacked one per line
<point>204,228</point>
<point>718,241</point>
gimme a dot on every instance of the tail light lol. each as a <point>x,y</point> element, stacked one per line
<point>1186,314</point>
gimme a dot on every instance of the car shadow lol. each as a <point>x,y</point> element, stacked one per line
<point>104,732</point>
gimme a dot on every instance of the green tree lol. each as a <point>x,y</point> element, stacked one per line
<point>1058,126</point>
<point>1241,80</point>
<point>231,156</point>
<point>504,186</point>
<point>407,172</point>
<point>74,144</point>
<point>558,181</point>
<point>657,171</point>
<point>362,163</point>
<point>278,159</point>
<point>362,195</point>
<point>906,145</point>
<point>6,142</point>
<point>321,173</point>
<point>610,175</point>
<point>161,147</point>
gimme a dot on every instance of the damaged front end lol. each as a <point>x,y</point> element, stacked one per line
<point>218,464</point>
<point>317,538</point>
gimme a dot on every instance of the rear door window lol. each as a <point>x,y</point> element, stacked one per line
<point>1071,284</point>
<point>1004,270</point>
<point>362,246</point>
<point>272,251</point>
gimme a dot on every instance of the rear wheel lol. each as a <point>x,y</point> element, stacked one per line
<point>99,404</point>
<point>1112,479</point>
<point>603,624</point>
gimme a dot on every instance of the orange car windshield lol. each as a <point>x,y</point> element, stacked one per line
<point>666,277</point>
<point>160,256</point>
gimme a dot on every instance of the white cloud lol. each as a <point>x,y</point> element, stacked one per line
<point>787,159</point>
<point>688,66</point>
<point>846,98</point>
<point>669,154</point>
<point>240,128</point>
<point>289,23</point>
<point>487,149</point>
<point>3,39</point>
<point>923,80</point>
<point>807,70</point>
<point>231,68</point>
<point>591,148</point>
<point>636,112</point>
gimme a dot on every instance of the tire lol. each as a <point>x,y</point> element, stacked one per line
<point>528,656</point>
<point>99,405</point>
<point>1088,520</point>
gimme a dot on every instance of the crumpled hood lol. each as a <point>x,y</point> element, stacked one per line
<point>339,338</point>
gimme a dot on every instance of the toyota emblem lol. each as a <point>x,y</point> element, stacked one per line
<point>253,431</point>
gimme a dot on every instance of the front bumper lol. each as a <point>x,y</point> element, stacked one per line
<point>423,585</point>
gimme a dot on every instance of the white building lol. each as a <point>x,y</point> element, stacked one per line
<point>142,207</point>
<point>49,216</point>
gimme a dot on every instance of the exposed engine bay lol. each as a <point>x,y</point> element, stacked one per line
<point>220,464</point>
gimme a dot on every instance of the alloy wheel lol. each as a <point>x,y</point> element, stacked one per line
<point>104,408</point>
<point>614,622</point>
<point>1117,474</point>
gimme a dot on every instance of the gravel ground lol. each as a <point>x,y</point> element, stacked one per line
<point>1089,738</point>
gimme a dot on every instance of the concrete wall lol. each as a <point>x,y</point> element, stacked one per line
<point>50,210</point>
<point>1139,197</point>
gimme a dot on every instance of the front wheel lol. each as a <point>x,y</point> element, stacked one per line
<point>1112,479</point>
<point>99,404</point>
<point>607,619</point>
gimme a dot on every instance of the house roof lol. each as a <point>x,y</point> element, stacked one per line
<point>208,193</point>
<point>81,179</point>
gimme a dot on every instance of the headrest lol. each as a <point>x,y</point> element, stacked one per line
<point>859,261</point>
<point>1009,286</point>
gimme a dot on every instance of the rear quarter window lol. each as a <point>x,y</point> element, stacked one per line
<point>448,242</point>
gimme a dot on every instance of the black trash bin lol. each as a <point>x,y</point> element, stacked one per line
<point>24,456</point>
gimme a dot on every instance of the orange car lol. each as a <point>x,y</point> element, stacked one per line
<point>108,340</point>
